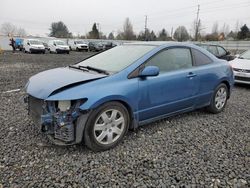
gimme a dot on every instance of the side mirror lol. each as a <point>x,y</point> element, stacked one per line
<point>28,43</point>
<point>228,53</point>
<point>54,44</point>
<point>149,71</point>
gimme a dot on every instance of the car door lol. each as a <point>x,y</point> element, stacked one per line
<point>173,90</point>
<point>206,77</point>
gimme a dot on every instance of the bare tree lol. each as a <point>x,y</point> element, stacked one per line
<point>8,29</point>
<point>128,33</point>
<point>215,28</point>
<point>21,32</point>
<point>225,29</point>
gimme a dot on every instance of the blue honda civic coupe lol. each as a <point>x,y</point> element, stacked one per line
<point>98,99</point>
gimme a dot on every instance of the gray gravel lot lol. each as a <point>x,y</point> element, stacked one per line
<point>196,149</point>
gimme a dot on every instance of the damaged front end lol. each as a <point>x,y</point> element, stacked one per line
<point>58,119</point>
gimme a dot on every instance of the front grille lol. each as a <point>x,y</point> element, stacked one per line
<point>85,47</point>
<point>35,108</point>
<point>241,70</point>
<point>247,79</point>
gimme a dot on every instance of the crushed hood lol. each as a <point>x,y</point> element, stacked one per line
<point>43,84</point>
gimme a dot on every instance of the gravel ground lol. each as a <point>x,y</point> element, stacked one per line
<point>196,149</point>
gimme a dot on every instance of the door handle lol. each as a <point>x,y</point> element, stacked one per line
<point>191,75</point>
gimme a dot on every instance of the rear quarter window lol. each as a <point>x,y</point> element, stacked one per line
<point>200,58</point>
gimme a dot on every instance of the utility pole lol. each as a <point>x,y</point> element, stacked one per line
<point>197,24</point>
<point>146,23</point>
<point>172,29</point>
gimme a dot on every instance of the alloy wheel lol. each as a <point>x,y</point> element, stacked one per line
<point>109,126</point>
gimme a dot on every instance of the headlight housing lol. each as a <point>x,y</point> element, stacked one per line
<point>64,105</point>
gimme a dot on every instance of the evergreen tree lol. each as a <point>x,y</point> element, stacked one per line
<point>94,33</point>
<point>111,36</point>
<point>244,32</point>
<point>163,35</point>
<point>59,30</point>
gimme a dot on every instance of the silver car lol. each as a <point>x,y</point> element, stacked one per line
<point>241,68</point>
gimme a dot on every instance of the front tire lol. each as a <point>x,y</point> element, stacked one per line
<point>106,126</point>
<point>219,100</point>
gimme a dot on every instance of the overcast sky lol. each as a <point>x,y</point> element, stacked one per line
<point>79,15</point>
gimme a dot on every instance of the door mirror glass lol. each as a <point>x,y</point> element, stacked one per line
<point>149,71</point>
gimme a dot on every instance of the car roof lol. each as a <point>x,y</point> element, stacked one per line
<point>205,44</point>
<point>162,43</point>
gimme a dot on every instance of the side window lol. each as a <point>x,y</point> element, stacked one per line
<point>221,51</point>
<point>200,58</point>
<point>213,50</point>
<point>171,59</point>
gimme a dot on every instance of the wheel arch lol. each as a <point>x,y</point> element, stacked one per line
<point>120,100</point>
<point>228,87</point>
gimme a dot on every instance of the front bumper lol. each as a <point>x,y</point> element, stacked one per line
<point>62,128</point>
<point>241,77</point>
<point>62,50</point>
<point>83,47</point>
<point>36,50</point>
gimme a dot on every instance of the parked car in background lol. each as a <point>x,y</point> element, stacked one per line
<point>241,68</point>
<point>78,45</point>
<point>33,46</point>
<point>58,46</point>
<point>218,51</point>
<point>108,45</point>
<point>46,46</point>
<point>98,99</point>
<point>96,46</point>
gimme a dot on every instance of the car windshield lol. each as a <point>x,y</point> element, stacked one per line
<point>117,58</point>
<point>36,42</point>
<point>60,43</point>
<point>245,55</point>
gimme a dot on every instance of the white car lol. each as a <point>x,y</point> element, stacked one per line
<point>58,46</point>
<point>78,45</point>
<point>241,68</point>
<point>33,45</point>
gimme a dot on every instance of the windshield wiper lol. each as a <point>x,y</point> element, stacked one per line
<point>79,68</point>
<point>95,69</point>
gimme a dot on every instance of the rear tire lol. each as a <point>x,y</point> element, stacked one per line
<point>106,126</point>
<point>219,99</point>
